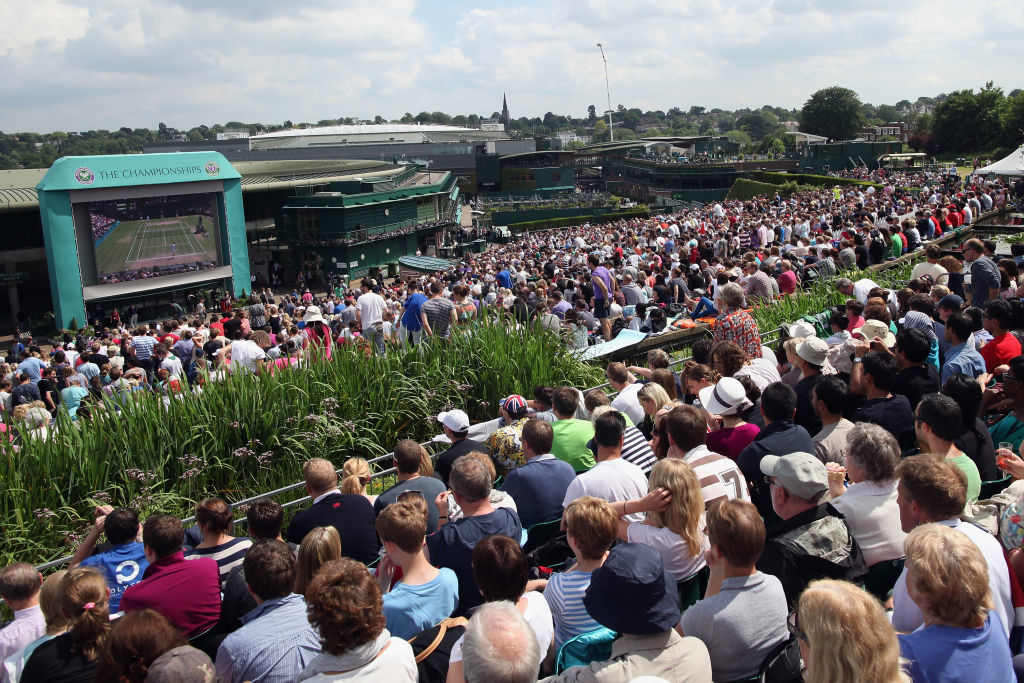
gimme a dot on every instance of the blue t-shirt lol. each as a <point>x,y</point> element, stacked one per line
<point>413,307</point>
<point>412,609</point>
<point>122,566</point>
<point>947,653</point>
<point>505,279</point>
<point>32,367</point>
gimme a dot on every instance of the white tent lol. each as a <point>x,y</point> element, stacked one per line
<point>1011,165</point>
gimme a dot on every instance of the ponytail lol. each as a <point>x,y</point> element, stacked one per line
<point>85,603</point>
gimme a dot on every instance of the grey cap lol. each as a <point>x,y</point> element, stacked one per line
<point>183,664</point>
<point>802,474</point>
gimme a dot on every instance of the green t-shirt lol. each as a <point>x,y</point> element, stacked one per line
<point>973,477</point>
<point>897,246</point>
<point>570,443</point>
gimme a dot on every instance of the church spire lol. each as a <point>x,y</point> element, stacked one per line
<point>504,110</point>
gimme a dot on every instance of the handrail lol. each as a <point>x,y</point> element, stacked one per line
<point>262,496</point>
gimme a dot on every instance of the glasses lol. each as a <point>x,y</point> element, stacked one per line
<point>793,624</point>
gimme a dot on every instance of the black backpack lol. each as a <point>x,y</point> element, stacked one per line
<point>433,648</point>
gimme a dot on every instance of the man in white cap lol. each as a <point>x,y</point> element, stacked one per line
<point>813,540</point>
<point>456,428</point>
<point>811,356</point>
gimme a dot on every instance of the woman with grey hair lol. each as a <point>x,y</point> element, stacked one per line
<point>869,502</point>
<point>735,324</point>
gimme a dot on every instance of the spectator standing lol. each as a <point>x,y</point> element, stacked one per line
<point>275,641</point>
<point>370,308</point>
<point>735,324</point>
<point>539,486</point>
<point>984,274</point>
<point>439,312</point>
<point>351,514</point>
<point>741,618</point>
<point>411,331</point>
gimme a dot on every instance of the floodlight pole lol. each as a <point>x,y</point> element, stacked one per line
<point>611,128</point>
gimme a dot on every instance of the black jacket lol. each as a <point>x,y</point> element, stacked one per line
<point>779,438</point>
<point>351,514</point>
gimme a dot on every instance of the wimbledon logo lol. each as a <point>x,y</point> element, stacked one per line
<point>84,176</point>
<point>212,168</point>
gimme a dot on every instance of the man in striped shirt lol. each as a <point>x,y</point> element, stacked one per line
<point>143,343</point>
<point>720,478</point>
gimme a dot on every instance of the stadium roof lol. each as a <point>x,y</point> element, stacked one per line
<point>366,128</point>
<point>18,186</point>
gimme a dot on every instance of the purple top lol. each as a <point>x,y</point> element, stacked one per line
<point>602,273</point>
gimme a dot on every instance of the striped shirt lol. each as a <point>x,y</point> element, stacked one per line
<point>719,476</point>
<point>636,450</point>
<point>227,555</point>
<point>143,346</point>
<point>564,594</point>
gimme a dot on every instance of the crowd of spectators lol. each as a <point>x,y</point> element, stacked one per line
<point>808,509</point>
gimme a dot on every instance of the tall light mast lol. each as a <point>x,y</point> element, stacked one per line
<point>611,129</point>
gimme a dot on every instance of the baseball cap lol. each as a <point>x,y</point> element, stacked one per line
<point>514,404</point>
<point>951,302</point>
<point>802,474</point>
<point>455,420</point>
<point>801,328</point>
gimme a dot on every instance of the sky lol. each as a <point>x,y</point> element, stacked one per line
<point>112,63</point>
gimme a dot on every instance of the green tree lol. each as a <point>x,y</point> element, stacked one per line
<point>966,121</point>
<point>888,113</point>
<point>591,114</point>
<point>600,131</point>
<point>739,136</point>
<point>759,124</point>
<point>1012,120</point>
<point>833,112</point>
<point>407,118</point>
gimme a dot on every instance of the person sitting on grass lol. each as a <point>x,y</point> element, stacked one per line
<point>425,595</point>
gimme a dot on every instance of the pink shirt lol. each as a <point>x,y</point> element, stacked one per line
<point>787,282</point>
<point>730,441</point>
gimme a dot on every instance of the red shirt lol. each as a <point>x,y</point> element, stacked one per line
<point>187,592</point>
<point>1000,351</point>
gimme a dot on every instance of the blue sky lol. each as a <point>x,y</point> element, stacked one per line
<point>68,65</point>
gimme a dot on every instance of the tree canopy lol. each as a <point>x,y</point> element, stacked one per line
<point>833,112</point>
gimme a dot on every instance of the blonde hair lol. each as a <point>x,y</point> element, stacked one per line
<point>355,476</point>
<point>656,394</point>
<point>790,345</point>
<point>593,525</point>
<point>320,546</point>
<point>684,515</point>
<point>849,638</point>
<point>947,576</point>
<point>50,599</point>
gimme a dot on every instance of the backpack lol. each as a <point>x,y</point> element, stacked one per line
<point>433,648</point>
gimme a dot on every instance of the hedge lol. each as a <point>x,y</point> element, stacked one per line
<point>809,179</point>
<point>530,226</point>
<point>743,189</point>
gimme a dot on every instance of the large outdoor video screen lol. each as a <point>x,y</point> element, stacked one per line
<point>146,237</point>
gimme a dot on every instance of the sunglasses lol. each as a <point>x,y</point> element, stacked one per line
<point>793,624</point>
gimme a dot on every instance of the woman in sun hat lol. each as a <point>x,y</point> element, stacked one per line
<point>316,333</point>
<point>725,403</point>
<point>633,595</point>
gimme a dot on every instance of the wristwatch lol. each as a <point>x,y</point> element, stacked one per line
<point>858,360</point>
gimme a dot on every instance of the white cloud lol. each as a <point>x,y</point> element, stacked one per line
<point>187,62</point>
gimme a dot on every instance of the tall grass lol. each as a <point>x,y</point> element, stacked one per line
<point>251,434</point>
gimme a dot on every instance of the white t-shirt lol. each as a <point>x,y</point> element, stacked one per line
<point>537,614</point>
<point>679,558</point>
<point>245,353</point>
<point>626,402</point>
<point>762,371</point>
<point>371,309</point>
<point>925,268</point>
<point>613,480</point>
